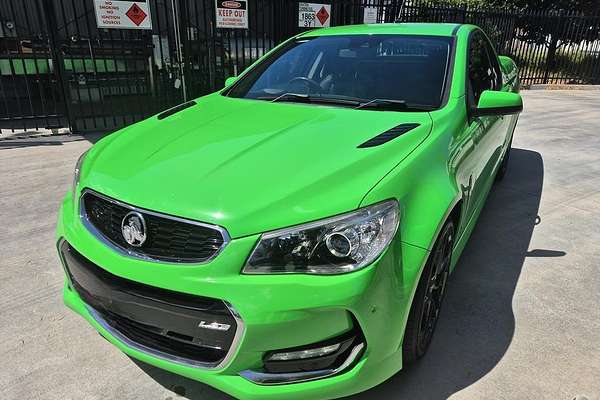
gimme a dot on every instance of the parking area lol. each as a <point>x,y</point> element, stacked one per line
<point>521,318</point>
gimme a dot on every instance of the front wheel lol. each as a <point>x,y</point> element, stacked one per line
<point>427,303</point>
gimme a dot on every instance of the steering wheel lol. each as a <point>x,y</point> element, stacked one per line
<point>310,83</point>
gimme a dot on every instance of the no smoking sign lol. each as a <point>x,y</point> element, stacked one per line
<point>118,14</point>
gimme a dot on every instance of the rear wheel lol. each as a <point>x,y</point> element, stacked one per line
<point>427,303</point>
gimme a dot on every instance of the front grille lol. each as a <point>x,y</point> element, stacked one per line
<point>164,321</point>
<point>168,238</point>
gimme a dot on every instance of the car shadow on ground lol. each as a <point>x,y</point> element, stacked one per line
<point>477,323</point>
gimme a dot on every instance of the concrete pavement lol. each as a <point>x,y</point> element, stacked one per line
<point>521,319</point>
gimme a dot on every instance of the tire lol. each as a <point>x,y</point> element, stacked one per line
<point>504,164</point>
<point>427,303</point>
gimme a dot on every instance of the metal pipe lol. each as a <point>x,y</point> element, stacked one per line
<point>178,46</point>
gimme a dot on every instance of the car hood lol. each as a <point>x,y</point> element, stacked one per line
<point>250,165</point>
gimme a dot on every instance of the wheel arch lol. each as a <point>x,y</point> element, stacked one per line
<point>456,214</point>
<point>428,196</point>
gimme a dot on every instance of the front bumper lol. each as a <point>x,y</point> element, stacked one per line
<point>278,311</point>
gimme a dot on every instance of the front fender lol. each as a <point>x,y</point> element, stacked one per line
<point>427,193</point>
<point>426,187</point>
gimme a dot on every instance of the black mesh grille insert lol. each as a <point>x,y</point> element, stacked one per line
<point>159,319</point>
<point>148,336</point>
<point>167,239</point>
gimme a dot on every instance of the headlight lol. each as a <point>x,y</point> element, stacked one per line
<point>334,245</point>
<point>77,173</point>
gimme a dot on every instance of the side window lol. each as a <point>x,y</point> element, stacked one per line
<point>496,71</point>
<point>481,74</point>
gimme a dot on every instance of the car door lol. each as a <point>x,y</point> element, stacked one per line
<point>485,131</point>
<point>500,123</point>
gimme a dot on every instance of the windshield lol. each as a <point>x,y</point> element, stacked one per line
<point>364,68</point>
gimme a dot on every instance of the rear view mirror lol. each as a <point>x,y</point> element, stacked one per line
<point>229,81</point>
<point>494,102</point>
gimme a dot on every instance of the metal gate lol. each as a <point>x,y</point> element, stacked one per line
<point>31,92</point>
<point>58,69</point>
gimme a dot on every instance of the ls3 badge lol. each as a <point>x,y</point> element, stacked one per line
<point>214,326</point>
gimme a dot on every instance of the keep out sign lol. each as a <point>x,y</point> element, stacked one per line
<point>232,13</point>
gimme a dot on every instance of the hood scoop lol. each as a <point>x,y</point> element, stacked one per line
<point>176,109</point>
<point>388,135</point>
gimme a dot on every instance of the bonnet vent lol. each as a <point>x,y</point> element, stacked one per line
<point>176,109</point>
<point>388,135</point>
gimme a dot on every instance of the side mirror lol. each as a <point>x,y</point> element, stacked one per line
<point>494,102</point>
<point>506,63</point>
<point>229,81</point>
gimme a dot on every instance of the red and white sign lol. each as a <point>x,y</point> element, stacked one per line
<point>232,13</point>
<point>313,15</point>
<point>118,14</point>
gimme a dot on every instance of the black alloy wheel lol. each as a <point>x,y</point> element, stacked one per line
<point>427,303</point>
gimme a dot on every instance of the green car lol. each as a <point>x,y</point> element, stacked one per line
<point>291,236</point>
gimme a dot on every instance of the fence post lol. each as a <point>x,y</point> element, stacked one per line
<point>57,58</point>
<point>552,47</point>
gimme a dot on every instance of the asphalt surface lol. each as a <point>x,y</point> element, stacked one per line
<point>521,319</point>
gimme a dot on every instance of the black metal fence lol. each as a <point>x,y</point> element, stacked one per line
<point>57,69</point>
<point>561,47</point>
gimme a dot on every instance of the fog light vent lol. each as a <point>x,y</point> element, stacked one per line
<point>313,362</point>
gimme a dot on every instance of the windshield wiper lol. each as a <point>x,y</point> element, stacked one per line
<point>306,98</point>
<point>357,103</point>
<point>397,105</point>
<point>290,96</point>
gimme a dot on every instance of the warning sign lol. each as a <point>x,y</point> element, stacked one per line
<point>314,15</point>
<point>370,15</point>
<point>232,13</point>
<point>136,14</point>
<point>119,14</point>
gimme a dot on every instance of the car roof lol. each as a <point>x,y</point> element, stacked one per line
<point>431,29</point>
